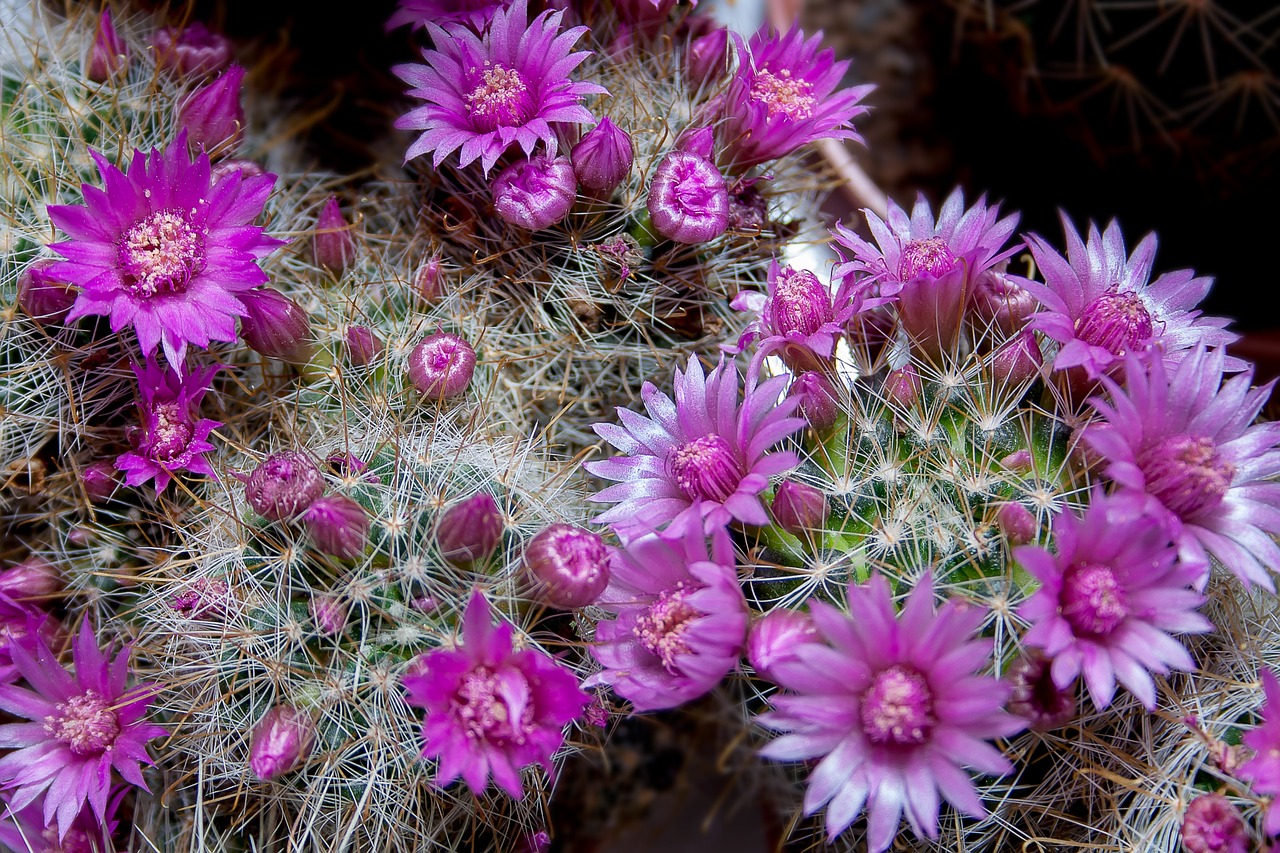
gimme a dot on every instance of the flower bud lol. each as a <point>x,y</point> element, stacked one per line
<point>535,193</point>
<point>212,115</point>
<point>429,283</point>
<point>1212,824</point>
<point>602,159</point>
<point>902,387</point>
<point>442,365</point>
<point>1019,461</point>
<point>698,141</point>
<point>283,485</point>
<point>705,59</point>
<point>246,169</point>
<point>798,508</point>
<point>281,741</point>
<point>1000,303</point>
<point>333,245</point>
<point>688,199</point>
<point>276,326</point>
<point>775,639</point>
<point>1017,523</point>
<point>363,346</point>
<point>1018,361</point>
<point>42,296</point>
<point>329,613</point>
<point>470,530</point>
<point>568,565</point>
<point>34,577</point>
<point>1035,697</point>
<point>193,50</point>
<point>338,526</point>
<point>108,54</point>
<point>817,400</point>
<point>99,480</point>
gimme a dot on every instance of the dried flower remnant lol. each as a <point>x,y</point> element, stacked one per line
<point>1212,824</point>
<point>283,485</point>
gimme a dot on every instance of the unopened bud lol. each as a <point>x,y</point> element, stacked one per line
<point>283,485</point>
<point>442,366</point>
<point>338,526</point>
<point>108,54</point>
<point>569,566</point>
<point>688,199</point>
<point>799,507</point>
<point>429,283</point>
<point>42,296</point>
<point>99,480</point>
<point>363,345</point>
<point>212,115</point>
<point>705,59</point>
<point>34,577</point>
<point>281,741</point>
<point>333,245</point>
<point>817,400</point>
<point>193,50</point>
<point>1018,361</point>
<point>535,193</point>
<point>470,530</point>
<point>776,638</point>
<point>902,387</point>
<point>276,326</point>
<point>1017,523</point>
<point>602,159</point>
<point>329,613</point>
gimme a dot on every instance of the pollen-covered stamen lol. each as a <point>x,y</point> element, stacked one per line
<point>706,469</point>
<point>783,94</point>
<point>931,256</point>
<point>160,254</point>
<point>493,710</point>
<point>801,305</point>
<point>661,628</point>
<point>1094,601</point>
<point>501,99</point>
<point>1187,474</point>
<point>1117,322</point>
<point>898,707</point>
<point>169,434</point>
<point>85,723</point>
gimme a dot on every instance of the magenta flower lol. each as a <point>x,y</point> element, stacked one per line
<point>490,708</point>
<point>1263,770</point>
<point>476,14</point>
<point>893,708</point>
<point>781,97</point>
<point>165,249</point>
<point>173,437</point>
<point>1100,306</point>
<point>18,625</point>
<point>704,453</point>
<point>26,830</point>
<point>1112,597</point>
<point>83,725</point>
<point>1182,435</point>
<point>680,619</point>
<point>486,93</point>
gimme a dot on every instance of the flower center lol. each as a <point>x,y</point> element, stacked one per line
<point>85,723</point>
<point>500,100</point>
<point>783,94</point>
<point>1187,474</point>
<point>661,628</point>
<point>1094,602</point>
<point>170,433</point>
<point>1117,322</point>
<point>801,305</point>
<point>898,707</point>
<point>160,254</point>
<point>492,709</point>
<point>705,469</point>
<point>930,257</point>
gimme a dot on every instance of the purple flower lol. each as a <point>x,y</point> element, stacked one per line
<point>688,200</point>
<point>680,619</point>
<point>82,727</point>
<point>535,193</point>
<point>781,97</point>
<point>1180,434</point>
<point>704,453</point>
<point>1100,306</point>
<point>894,710</point>
<point>486,93</point>
<point>173,437</point>
<point>1111,598</point>
<point>108,55</point>
<point>474,13</point>
<point>1263,770</point>
<point>26,830</point>
<point>165,249</point>
<point>490,708</point>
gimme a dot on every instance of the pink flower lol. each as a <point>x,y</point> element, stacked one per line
<point>173,437</point>
<point>486,93</point>
<point>26,830</point>
<point>1263,770</point>
<point>892,707</point>
<point>165,249</point>
<point>490,708</point>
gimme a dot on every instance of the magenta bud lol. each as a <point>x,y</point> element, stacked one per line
<point>426,604</point>
<point>99,480</point>
<point>798,507</point>
<point>193,50</point>
<point>688,199</point>
<point>1035,697</point>
<point>1017,523</point>
<point>706,57</point>
<point>212,115</point>
<point>902,387</point>
<point>329,613</point>
<point>333,245</point>
<point>276,326</point>
<point>43,297</point>
<point>246,169</point>
<point>817,400</point>
<point>1018,361</point>
<point>999,302</point>
<point>1212,824</point>
<point>1019,461</point>
<point>281,741</point>
<point>535,193</point>
<point>429,283</point>
<point>442,366</point>
<point>108,54</point>
<point>470,530</point>
<point>34,577</point>
<point>363,346</point>
<point>569,566</point>
<point>602,159</point>
<point>283,485</point>
<point>698,141</point>
<point>776,638</point>
<point>338,526</point>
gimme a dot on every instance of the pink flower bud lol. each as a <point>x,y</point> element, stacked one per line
<point>776,638</point>
<point>363,346</point>
<point>338,526</point>
<point>193,50</point>
<point>569,566</point>
<point>429,283</point>
<point>1001,303</point>
<point>1212,824</point>
<point>470,530</point>
<point>698,141</point>
<point>1017,523</point>
<point>43,297</point>
<point>283,485</point>
<point>1019,461</point>
<point>817,400</point>
<point>706,57</point>
<point>246,168</point>
<point>333,245</point>
<point>34,577</point>
<point>442,365</point>
<point>99,480</point>
<point>281,741</point>
<point>602,159</point>
<point>108,54</point>
<point>1018,361</point>
<point>276,326</point>
<point>799,507</point>
<point>688,199</point>
<point>902,387</point>
<point>1035,697</point>
<point>535,193</point>
<point>212,115</point>
<point>329,613</point>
